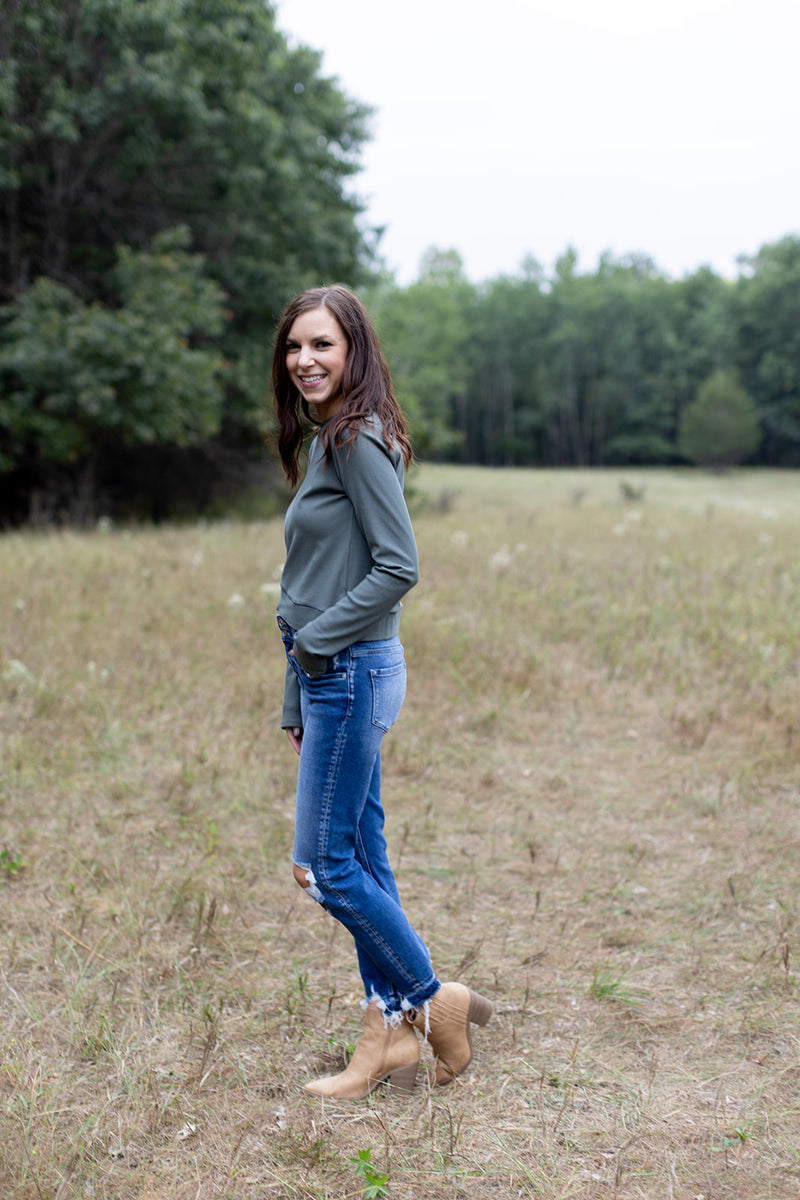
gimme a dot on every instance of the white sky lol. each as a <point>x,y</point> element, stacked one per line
<point>515,127</point>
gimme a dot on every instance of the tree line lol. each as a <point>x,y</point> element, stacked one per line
<point>171,171</point>
<point>619,365</point>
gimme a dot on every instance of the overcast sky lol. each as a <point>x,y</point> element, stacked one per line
<point>517,127</point>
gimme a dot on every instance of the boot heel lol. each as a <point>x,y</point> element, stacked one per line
<point>480,1009</point>
<point>402,1079</point>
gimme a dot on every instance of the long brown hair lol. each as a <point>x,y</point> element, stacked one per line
<point>366,384</point>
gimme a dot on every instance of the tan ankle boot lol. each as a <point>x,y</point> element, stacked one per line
<point>446,1026</point>
<point>382,1053</point>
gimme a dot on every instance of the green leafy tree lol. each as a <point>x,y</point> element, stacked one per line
<point>122,119</point>
<point>641,365</point>
<point>703,305</point>
<point>720,426</point>
<point>78,376</point>
<point>425,331</point>
<point>609,364</point>
<point>503,420</point>
<point>767,340</point>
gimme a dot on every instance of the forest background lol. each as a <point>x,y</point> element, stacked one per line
<point>171,173</point>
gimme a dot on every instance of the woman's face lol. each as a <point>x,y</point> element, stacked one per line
<point>316,351</point>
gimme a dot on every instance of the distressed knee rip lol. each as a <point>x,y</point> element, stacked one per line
<point>305,877</point>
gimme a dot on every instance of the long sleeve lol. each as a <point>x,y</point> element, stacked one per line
<point>350,549</point>
<point>371,484</point>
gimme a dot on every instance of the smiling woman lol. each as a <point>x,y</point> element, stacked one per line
<point>316,352</point>
<point>351,556</point>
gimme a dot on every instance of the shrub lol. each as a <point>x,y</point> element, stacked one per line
<point>720,426</point>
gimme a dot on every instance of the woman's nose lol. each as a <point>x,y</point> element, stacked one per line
<point>305,356</point>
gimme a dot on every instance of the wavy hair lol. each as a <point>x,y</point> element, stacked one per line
<point>366,383</point>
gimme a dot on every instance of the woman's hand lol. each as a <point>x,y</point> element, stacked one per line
<point>295,736</point>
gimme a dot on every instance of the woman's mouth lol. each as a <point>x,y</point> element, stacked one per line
<point>311,380</point>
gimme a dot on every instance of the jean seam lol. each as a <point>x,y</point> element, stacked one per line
<point>333,770</point>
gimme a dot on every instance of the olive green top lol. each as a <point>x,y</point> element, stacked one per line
<point>350,554</point>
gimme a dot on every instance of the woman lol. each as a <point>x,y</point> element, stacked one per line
<point>350,557</point>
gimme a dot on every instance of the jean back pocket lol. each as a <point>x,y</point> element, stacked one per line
<point>388,694</point>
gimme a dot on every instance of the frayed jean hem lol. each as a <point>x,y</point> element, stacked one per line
<point>393,1017</point>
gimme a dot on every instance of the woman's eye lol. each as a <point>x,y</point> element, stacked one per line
<point>323,345</point>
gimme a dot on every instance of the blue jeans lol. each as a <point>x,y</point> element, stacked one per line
<point>339,839</point>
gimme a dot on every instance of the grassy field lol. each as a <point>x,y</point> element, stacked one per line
<point>593,797</point>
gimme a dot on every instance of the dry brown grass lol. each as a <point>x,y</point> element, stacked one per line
<point>593,797</point>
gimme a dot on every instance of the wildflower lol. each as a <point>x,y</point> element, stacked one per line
<point>630,517</point>
<point>501,559</point>
<point>236,601</point>
<point>17,672</point>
